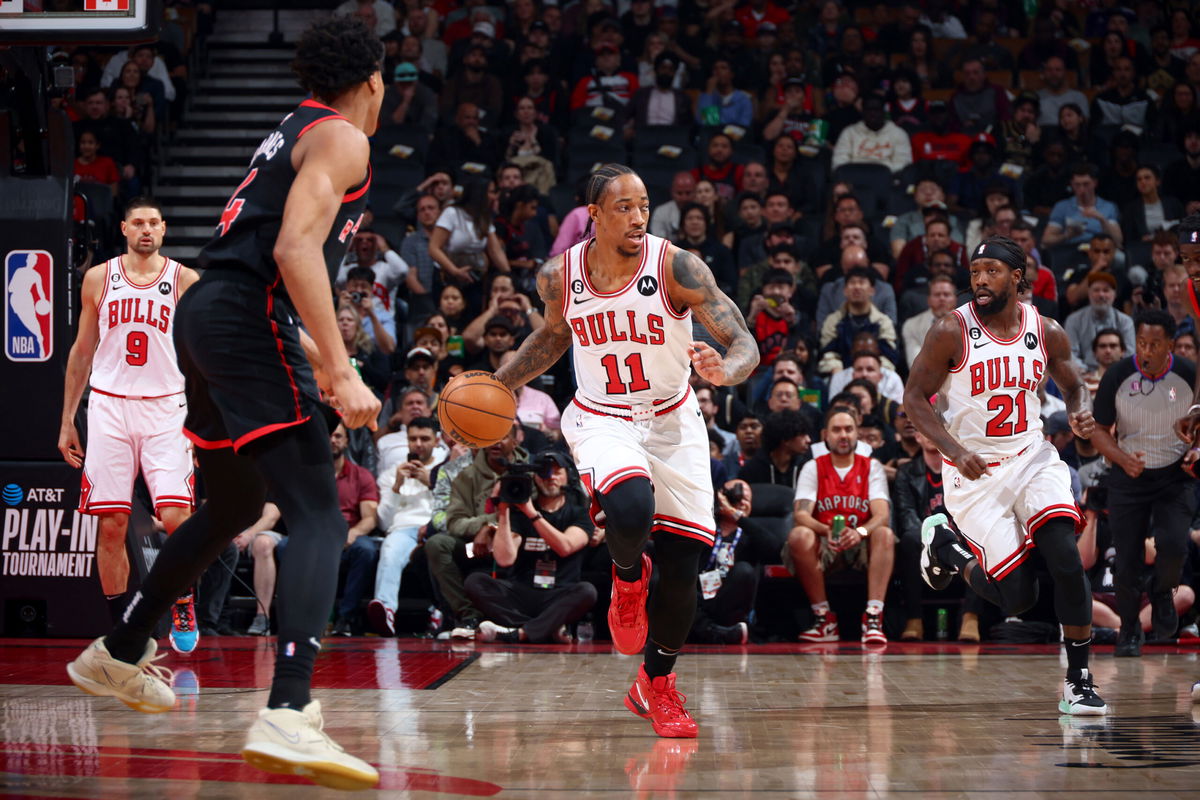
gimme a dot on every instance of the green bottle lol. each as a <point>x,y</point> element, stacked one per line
<point>943,624</point>
<point>836,527</point>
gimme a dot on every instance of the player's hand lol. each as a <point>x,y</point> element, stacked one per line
<point>972,466</point>
<point>849,538</point>
<point>1134,463</point>
<point>707,363</point>
<point>1186,427</point>
<point>68,445</point>
<point>358,405</point>
<point>1189,461</point>
<point>1082,424</point>
<point>243,540</point>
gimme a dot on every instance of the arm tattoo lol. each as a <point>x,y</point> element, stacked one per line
<point>803,505</point>
<point>545,345</point>
<point>718,314</point>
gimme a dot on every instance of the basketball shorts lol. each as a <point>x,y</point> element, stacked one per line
<point>999,513</point>
<point>127,434</point>
<point>239,349</point>
<point>670,448</point>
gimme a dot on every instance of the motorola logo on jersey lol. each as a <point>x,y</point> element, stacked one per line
<point>1031,341</point>
<point>164,288</point>
<point>647,285</point>
<point>28,305</point>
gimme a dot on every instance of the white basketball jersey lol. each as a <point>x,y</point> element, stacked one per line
<point>630,347</point>
<point>989,401</point>
<point>136,353</point>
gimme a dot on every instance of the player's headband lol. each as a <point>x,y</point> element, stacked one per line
<point>996,251</point>
<point>1192,237</point>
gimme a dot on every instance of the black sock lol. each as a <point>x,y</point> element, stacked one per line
<point>630,574</point>
<point>1077,655</point>
<point>659,661</point>
<point>116,606</point>
<point>294,660</point>
<point>954,555</point>
<point>125,643</point>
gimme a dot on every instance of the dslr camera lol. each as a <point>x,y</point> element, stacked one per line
<point>516,484</point>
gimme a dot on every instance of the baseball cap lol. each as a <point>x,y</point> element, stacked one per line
<point>546,457</point>
<point>499,322</point>
<point>486,28</point>
<point>1058,423</point>
<point>428,330</point>
<point>418,353</point>
<point>405,73</point>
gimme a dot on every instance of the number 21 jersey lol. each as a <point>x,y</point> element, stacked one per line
<point>630,346</point>
<point>989,400</point>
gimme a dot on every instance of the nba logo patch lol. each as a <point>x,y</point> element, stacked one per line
<point>28,305</point>
<point>290,650</point>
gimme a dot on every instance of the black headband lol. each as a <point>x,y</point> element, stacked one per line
<point>1000,253</point>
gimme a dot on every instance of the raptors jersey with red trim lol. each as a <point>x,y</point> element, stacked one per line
<point>136,353</point>
<point>849,496</point>
<point>989,401</point>
<point>630,347</point>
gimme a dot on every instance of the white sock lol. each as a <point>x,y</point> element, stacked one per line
<point>874,606</point>
<point>820,608</point>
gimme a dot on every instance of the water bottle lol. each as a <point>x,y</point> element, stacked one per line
<point>943,624</point>
<point>435,620</point>
<point>583,631</point>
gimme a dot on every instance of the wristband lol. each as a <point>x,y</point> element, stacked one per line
<point>534,520</point>
<point>1191,408</point>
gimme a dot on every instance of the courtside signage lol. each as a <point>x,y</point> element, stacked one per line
<point>28,305</point>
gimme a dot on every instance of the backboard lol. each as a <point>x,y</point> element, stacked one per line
<point>79,21</point>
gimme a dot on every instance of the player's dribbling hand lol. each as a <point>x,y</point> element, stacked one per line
<point>972,466</point>
<point>1082,424</point>
<point>68,445</point>
<point>1185,427</point>
<point>358,405</point>
<point>707,363</point>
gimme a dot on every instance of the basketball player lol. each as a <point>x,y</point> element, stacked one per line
<point>625,300</point>
<point>136,408</point>
<point>1005,486</point>
<point>254,412</point>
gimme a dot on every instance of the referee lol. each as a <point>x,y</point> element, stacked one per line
<point>1138,401</point>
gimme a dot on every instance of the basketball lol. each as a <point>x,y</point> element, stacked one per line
<point>42,308</point>
<point>476,409</point>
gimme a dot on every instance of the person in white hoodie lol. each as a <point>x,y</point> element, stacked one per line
<point>875,140</point>
<point>405,508</point>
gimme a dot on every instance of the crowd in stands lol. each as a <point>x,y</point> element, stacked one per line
<point>834,164</point>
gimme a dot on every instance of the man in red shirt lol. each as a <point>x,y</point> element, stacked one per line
<point>756,12</point>
<point>358,498</point>
<point>842,483</point>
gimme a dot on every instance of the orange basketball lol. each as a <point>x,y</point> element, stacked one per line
<point>476,409</point>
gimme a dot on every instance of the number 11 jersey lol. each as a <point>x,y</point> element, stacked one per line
<point>629,346</point>
<point>990,398</point>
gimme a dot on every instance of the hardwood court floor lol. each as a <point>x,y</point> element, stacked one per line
<point>826,721</point>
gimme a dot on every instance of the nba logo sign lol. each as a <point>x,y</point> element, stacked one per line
<point>28,305</point>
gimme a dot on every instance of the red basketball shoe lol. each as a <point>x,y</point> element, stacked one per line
<point>627,611</point>
<point>658,701</point>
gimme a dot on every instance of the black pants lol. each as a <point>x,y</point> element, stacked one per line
<point>1161,501</point>
<point>540,612</point>
<point>732,603</point>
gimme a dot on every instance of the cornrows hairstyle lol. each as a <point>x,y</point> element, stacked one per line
<point>1188,230</point>
<point>335,55</point>
<point>599,181</point>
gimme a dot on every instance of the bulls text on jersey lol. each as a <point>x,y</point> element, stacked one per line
<point>126,310</point>
<point>606,326</point>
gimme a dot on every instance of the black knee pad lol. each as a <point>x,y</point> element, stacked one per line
<point>1056,541</point>
<point>629,507</point>
<point>678,557</point>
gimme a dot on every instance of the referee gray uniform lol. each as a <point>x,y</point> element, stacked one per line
<point>1144,409</point>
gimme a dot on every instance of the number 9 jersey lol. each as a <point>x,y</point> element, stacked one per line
<point>990,399</point>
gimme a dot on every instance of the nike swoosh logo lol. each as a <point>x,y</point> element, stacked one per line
<point>112,681</point>
<point>981,344</point>
<point>580,300</point>
<point>314,642</point>
<point>184,403</point>
<point>294,738</point>
<point>662,652</point>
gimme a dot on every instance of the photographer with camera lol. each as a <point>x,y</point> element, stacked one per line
<point>729,575</point>
<point>405,508</point>
<point>377,319</point>
<point>542,531</point>
<point>471,522</point>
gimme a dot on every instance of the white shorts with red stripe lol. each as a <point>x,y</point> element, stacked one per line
<point>999,513</point>
<point>668,445</point>
<point>127,434</point>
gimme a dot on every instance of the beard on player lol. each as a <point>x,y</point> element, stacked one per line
<point>842,445</point>
<point>994,302</point>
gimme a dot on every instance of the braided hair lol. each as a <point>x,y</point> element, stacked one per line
<point>600,180</point>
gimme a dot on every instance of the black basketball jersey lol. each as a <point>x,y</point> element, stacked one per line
<point>245,235</point>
